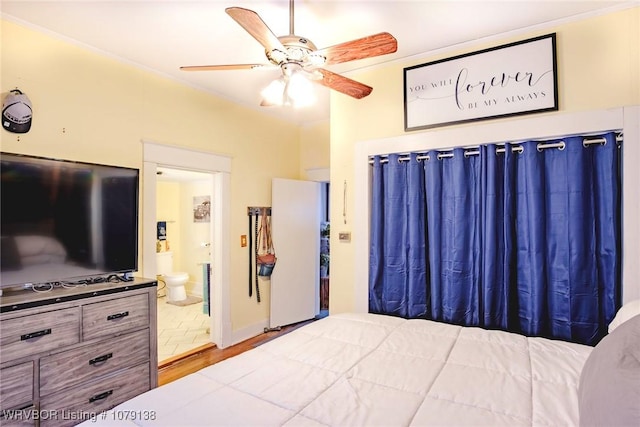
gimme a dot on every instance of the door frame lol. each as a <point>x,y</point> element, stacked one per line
<point>155,154</point>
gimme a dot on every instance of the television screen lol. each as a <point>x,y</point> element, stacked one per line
<point>64,221</point>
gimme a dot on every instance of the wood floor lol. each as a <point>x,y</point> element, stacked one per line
<point>172,369</point>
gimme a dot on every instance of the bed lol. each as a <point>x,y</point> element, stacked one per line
<point>376,370</point>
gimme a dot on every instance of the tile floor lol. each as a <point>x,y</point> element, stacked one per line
<point>180,329</point>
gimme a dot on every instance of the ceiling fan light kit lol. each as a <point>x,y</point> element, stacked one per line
<point>293,89</point>
<point>301,62</point>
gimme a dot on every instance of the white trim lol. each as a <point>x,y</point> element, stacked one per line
<point>186,158</point>
<point>539,127</point>
<point>250,331</point>
<point>220,300</point>
<point>156,154</point>
<point>631,205</point>
<point>318,174</point>
<point>148,225</point>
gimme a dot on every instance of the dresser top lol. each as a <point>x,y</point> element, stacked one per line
<point>13,300</point>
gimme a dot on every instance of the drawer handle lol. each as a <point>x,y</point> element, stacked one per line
<point>101,396</point>
<point>117,315</point>
<point>101,359</point>
<point>35,334</point>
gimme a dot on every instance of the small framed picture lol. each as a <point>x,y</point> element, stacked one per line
<point>202,209</point>
<point>162,230</point>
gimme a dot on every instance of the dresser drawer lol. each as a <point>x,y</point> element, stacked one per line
<point>16,386</point>
<point>29,335</point>
<point>81,364</point>
<point>96,396</point>
<point>114,316</point>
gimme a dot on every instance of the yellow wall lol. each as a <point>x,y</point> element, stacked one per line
<point>88,107</point>
<point>314,143</point>
<point>168,210</point>
<point>598,68</point>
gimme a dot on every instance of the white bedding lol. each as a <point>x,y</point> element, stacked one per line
<point>368,370</point>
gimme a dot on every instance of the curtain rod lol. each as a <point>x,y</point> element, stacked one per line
<point>473,151</point>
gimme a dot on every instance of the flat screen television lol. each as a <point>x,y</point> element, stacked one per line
<point>63,222</point>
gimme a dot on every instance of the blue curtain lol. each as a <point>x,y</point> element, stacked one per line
<point>453,218</point>
<point>528,242</point>
<point>569,239</point>
<point>397,271</point>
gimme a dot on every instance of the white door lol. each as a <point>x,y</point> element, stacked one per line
<point>295,227</point>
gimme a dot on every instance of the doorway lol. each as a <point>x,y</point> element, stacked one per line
<point>156,155</point>
<point>183,213</point>
<point>325,250</point>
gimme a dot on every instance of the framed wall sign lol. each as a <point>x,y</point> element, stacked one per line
<point>512,79</point>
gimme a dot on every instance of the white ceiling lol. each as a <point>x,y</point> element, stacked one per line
<point>162,35</point>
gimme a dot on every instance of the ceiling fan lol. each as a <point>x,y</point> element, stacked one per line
<point>300,60</point>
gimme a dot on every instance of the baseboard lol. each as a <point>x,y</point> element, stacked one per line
<point>247,332</point>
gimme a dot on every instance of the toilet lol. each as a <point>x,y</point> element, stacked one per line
<point>175,281</point>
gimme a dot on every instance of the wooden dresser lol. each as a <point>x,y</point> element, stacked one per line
<point>68,354</point>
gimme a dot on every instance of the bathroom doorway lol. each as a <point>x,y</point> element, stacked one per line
<point>183,249</point>
<point>166,156</point>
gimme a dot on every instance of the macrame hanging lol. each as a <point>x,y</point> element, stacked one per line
<point>265,252</point>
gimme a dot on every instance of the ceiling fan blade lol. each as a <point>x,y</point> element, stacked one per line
<point>223,67</point>
<point>254,25</point>
<point>343,84</point>
<point>366,47</point>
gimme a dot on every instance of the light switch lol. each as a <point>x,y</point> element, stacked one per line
<point>344,236</point>
<point>243,240</point>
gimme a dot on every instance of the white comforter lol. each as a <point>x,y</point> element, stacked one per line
<point>372,370</point>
